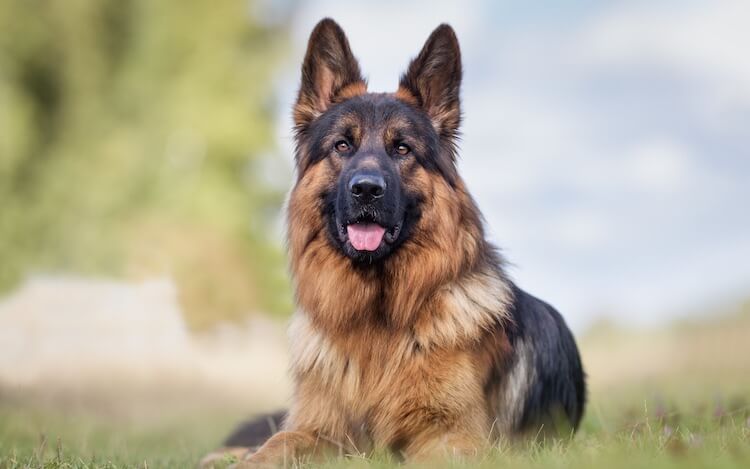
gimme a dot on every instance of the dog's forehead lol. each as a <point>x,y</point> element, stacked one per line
<point>377,109</point>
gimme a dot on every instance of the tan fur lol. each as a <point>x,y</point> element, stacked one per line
<point>350,91</point>
<point>443,119</point>
<point>406,96</point>
<point>397,361</point>
<point>308,110</point>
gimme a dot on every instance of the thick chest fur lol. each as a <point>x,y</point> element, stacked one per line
<point>382,386</point>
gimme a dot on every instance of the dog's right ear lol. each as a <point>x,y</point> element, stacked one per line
<point>329,73</point>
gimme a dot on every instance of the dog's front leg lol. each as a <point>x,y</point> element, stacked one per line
<point>458,444</point>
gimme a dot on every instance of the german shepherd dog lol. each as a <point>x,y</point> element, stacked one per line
<point>409,336</point>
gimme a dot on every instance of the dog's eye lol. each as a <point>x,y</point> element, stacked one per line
<point>342,146</point>
<point>403,149</point>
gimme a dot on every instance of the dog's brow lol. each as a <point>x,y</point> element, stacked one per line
<point>350,119</point>
<point>397,127</point>
<point>396,132</point>
<point>348,125</point>
<point>399,122</point>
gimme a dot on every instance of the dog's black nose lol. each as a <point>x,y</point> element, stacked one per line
<point>367,186</point>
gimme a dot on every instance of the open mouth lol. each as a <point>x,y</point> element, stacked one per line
<point>368,236</point>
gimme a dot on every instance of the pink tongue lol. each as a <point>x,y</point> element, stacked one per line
<point>365,236</point>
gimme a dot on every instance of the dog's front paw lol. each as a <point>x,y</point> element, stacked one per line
<point>256,460</point>
<point>224,458</point>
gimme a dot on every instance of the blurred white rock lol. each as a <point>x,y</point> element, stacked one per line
<point>66,330</point>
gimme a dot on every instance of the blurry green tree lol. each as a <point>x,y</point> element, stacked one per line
<point>131,137</point>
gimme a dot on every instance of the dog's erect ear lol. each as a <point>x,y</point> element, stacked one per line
<point>433,79</point>
<point>329,72</point>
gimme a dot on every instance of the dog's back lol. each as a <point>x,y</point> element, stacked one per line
<point>544,387</point>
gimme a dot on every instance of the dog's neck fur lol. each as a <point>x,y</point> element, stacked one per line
<point>448,268</point>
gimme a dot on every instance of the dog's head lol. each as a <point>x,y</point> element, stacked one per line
<point>369,162</point>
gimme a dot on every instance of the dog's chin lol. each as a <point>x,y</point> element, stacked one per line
<point>366,257</point>
<point>368,242</point>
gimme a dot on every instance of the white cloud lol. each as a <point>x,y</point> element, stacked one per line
<point>708,40</point>
<point>661,166</point>
<point>583,229</point>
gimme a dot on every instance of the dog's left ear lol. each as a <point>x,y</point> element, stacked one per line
<point>433,79</point>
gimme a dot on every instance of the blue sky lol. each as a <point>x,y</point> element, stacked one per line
<point>607,143</point>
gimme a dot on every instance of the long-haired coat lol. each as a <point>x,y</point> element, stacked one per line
<point>409,336</point>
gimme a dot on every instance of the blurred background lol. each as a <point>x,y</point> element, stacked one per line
<point>146,149</point>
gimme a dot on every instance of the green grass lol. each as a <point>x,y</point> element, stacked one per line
<point>677,397</point>
<point>61,439</point>
<point>707,435</point>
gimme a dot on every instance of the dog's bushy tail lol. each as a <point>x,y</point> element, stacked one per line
<point>255,432</point>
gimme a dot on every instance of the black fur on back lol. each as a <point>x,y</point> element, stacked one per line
<point>558,382</point>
